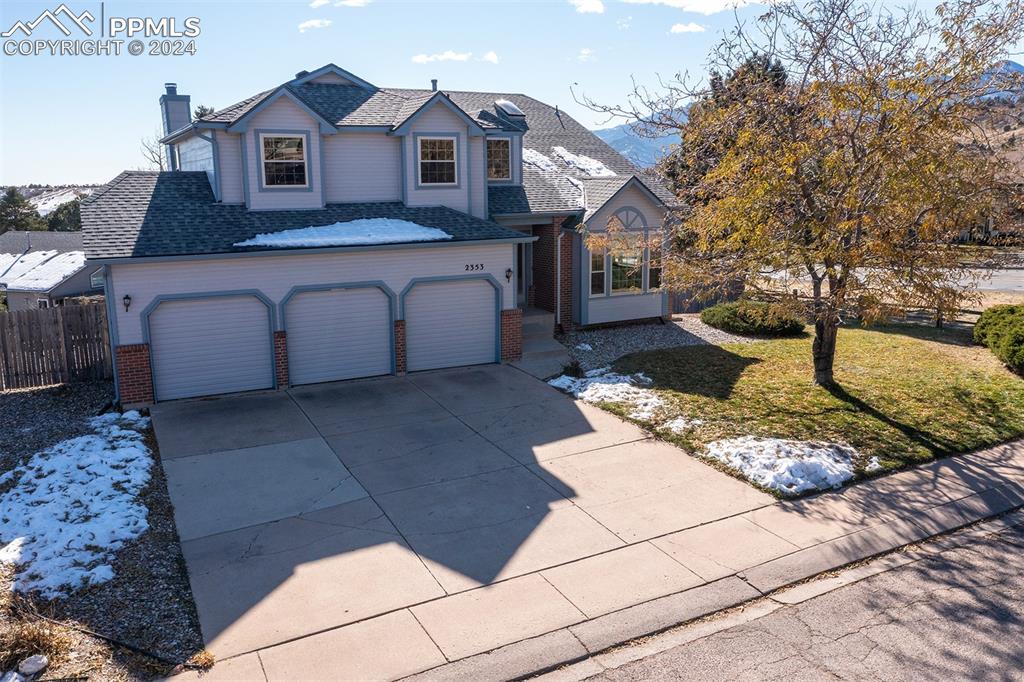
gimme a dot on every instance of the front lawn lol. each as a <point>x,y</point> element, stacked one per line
<point>905,394</point>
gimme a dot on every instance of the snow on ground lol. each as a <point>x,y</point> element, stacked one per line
<point>682,424</point>
<point>73,505</point>
<point>360,232</point>
<point>48,202</point>
<point>604,386</point>
<point>535,158</point>
<point>47,273</point>
<point>584,164</point>
<point>788,466</point>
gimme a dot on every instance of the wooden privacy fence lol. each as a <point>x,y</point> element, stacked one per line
<point>54,346</point>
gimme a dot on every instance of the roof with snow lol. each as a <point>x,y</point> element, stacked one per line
<point>38,270</point>
<point>575,151</point>
<point>145,214</point>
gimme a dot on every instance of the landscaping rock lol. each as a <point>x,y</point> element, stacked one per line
<point>33,665</point>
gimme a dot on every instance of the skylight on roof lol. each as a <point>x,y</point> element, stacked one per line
<point>508,108</point>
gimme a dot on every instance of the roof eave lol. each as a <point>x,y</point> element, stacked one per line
<point>241,124</point>
<point>174,136</point>
<point>403,127</point>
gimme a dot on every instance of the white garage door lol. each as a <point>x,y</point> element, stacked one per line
<point>208,346</point>
<point>338,334</point>
<point>449,324</point>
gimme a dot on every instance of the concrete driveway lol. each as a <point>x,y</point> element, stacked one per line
<point>304,510</point>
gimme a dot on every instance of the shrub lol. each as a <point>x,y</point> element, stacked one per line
<point>1001,328</point>
<point>753,319</point>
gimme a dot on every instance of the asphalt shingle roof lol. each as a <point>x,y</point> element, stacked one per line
<point>20,241</point>
<point>151,213</point>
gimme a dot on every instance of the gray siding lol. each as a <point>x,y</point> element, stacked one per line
<point>438,119</point>
<point>276,275</point>
<point>230,151</point>
<point>18,300</point>
<point>283,115</point>
<point>362,167</point>
<point>340,334</point>
<point>450,324</point>
<point>196,154</point>
<point>605,309</point>
<point>478,178</point>
<point>209,346</point>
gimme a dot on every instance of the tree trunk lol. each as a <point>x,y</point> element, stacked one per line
<point>824,350</point>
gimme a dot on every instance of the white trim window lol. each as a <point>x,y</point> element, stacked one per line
<point>437,163</point>
<point>499,158</point>
<point>42,303</point>
<point>627,267</point>
<point>597,271</point>
<point>97,279</point>
<point>284,160</point>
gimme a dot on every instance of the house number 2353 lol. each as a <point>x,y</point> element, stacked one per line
<point>472,267</point>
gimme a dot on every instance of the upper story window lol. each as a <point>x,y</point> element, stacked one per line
<point>437,161</point>
<point>499,159</point>
<point>284,160</point>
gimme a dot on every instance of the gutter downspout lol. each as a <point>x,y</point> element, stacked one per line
<point>558,279</point>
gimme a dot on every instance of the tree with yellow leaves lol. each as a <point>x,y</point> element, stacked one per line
<point>857,175</point>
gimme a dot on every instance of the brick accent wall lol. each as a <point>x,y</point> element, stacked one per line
<point>545,251</point>
<point>134,375</point>
<point>399,347</point>
<point>511,334</point>
<point>281,359</point>
<point>566,285</point>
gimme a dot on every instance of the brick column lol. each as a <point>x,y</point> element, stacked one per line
<point>566,284</point>
<point>399,347</point>
<point>511,334</point>
<point>281,359</point>
<point>134,375</point>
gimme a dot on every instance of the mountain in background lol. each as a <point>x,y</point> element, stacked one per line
<point>642,151</point>
<point>46,198</point>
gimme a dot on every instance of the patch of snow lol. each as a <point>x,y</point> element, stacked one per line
<point>873,465</point>
<point>534,158</point>
<point>46,273</point>
<point>21,263</point>
<point>48,202</point>
<point>581,200</point>
<point>788,466</point>
<point>584,347</point>
<point>605,386</point>
<point>365,231</point>
<point>73,505</point>
<point>583,164</point>
<point>682,424</point>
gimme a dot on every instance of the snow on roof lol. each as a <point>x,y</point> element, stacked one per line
<point>535,158</point>
<point>39,270</point>
<point>583,164</point>
<point>362,232</point>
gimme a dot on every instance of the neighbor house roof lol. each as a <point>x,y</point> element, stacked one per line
<point>150,213</point>
<point>22,241</point>
<point>39,261</point>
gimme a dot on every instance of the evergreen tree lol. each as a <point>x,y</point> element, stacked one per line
<point>202,110</point>
<point>66,218</point>
<point>16,213</point>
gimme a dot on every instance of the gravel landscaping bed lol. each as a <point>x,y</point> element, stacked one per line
<point>611,343</point>
<point>148,604</point>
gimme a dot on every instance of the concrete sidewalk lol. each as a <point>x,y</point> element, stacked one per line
<point>540,620</point>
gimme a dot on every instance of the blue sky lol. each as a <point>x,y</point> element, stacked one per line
<point>78,119</point>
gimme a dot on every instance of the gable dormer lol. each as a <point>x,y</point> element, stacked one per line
<point>331,74</point>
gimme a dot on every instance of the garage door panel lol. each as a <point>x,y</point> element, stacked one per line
<point>210,346</point>
<point>338,334</point>
<point>450,324</point>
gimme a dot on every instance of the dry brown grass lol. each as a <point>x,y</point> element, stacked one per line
<point>22,636</point>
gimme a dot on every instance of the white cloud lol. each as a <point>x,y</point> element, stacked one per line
<point>314,23</point>
<point>446,56</point>
<point>586,55</point>
<point>624,24</point>
<point>318,3</point>
<point>687,28</point>
<point>588,6</point>
<point>352,3</point>
<point>706,7</point>
<point>491,57</point>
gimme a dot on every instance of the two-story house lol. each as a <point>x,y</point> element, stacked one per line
<point>330,229</point>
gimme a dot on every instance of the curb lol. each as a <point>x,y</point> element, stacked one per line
<point>760,590</point>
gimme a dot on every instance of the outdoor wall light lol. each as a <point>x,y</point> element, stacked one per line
<point>127,300</point>
<point>508,274</point>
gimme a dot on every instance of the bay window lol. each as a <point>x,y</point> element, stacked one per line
<point>597,274</point>
<point>627,266</point>
<point>654,246</point>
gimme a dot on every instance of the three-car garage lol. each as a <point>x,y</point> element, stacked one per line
<point>212,343</point>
